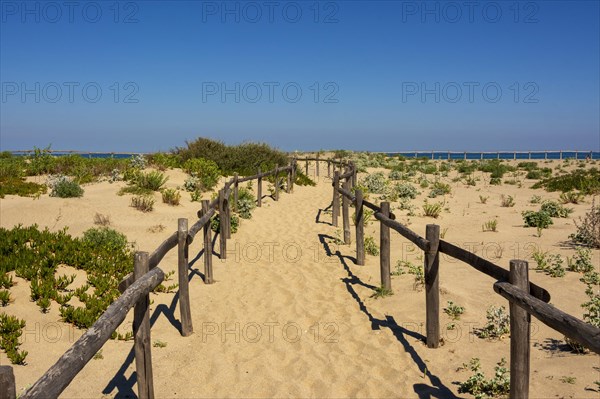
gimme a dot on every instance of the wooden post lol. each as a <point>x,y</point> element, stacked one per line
<point>519,334</point>
<point>307,167</point>
<point>222,223</point>
<point>328,169</point>
<point>335,207</point>
<point>276,183</point>
<point>208,272</point>
<point>8,389</point>
<point>317,166</point>
<point>259,190</point>
<point>354,174</point>
<point>141,332</point>
<point>235,192</point>
<point>360,229</point>
<point>184,289</point>
<point>384,244</point>
<point>346,212</point>
<point>288,186</point>
<point>432,286</point>
<point>227,212</point>
<point>294,165</point>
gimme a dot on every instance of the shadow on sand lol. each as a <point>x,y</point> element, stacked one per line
<point>437,389</point>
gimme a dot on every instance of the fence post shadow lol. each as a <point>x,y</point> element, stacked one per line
<point>437,388</point>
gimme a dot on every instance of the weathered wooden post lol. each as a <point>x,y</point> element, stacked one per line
<point>328,168</point>
<point>222,226</point>
<point>354,174</point>
<point>184,289</point>
<point>384,244</point>
<point>432,286</point>
<point>346,212</point>
<point>208,271</point>
<point>306,167</point>
<point>8,389</point>
<point>360,229</point>
<point>259,190</point>
<point>141,332</point>
<point>288,185</point>
<point>317,166</point>
<point>294,166</point>
<point>235,192</point>
<point>519,334</point>
<point>335,206</point>
<point>227,211</point>
<point>276,183</point>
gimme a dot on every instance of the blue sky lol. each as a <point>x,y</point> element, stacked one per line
<point>301,75</point>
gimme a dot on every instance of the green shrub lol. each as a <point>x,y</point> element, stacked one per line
<point>439,188</point>
<point>538,219</point>
<point>171,196</point>
<point>588,228</point>
<point>104,237</point>
<point>34,255</point>
<point>454,311</point>
<point>246,203</point>
<point>303,180</point>
<point>206,171</point>
<point>18,186</point>
<point>498,323</point>
<point>555,210</point>
<point>552,265</point>
<point>396,175</point>
<point>163,161</point>
<point>11,328</point>
<point>582,261</point>
<point>480,387</point>
<point>143,203</point>
<point>382,292</point>
<point>375,183</point>
<point>245,159</point>
<point>215,223</point>
<point>585,181</point>
<point>495,181</point>
<point>153,180</point>
<point>4,297</point>
<point>63,187</point>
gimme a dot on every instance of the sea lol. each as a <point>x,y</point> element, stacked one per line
<point>444,155</point>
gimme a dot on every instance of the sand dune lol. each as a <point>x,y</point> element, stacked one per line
<point>291,315</point>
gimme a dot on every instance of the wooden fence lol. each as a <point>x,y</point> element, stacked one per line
<point>136,288</point>
<point>525,298</point>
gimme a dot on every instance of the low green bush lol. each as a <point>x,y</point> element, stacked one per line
<point>63,187</point>
<point>555,210</point>
<point>375,183</point>
<point>18,186</point>
<point>538,219</point>
<point>585,181</point>
<point>206,171</point>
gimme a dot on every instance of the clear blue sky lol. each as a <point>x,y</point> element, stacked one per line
<point>376,75</point>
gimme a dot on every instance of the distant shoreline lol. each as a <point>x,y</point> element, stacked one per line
<point>435,155</point>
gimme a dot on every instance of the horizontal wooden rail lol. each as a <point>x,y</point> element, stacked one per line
<point>60,375</point>
<point>265,174</point>
<point>347,174</point>
<point>346,194</point>
<point>407,233</point>
<point>167,245</point>
<point>489,268</point>
<point>578,330</point>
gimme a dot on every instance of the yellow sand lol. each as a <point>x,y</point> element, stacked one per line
<point>291,315</point>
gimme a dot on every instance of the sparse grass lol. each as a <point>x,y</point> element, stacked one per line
<point>483,199</point>
<point>490,225</point>
<point>143,203</point>
<point>156,228</point>
<point>507,201</point>
<point>371,247</point>
<point>454,311</point>
<point>567,379</point>
<point>535,199</point>
<point>101,220</point>
<point>153,180</point>
<point>432,210</point>
<point>382,292</point>
<point>159,344</point>
<point>171,196</point>
<point>571,197</point>
<point>416,271</point>
<point>98,355</point>
<point>549,264</point>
